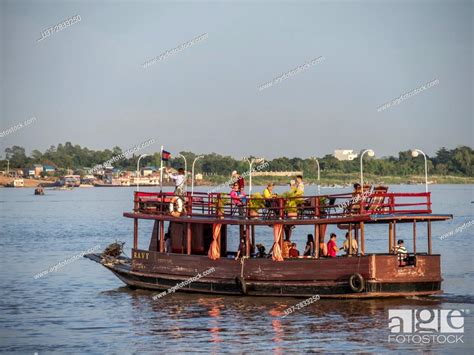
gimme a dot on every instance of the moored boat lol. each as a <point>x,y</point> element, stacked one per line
<point>199,242</point>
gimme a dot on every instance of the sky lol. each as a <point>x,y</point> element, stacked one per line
<point>86,83</point>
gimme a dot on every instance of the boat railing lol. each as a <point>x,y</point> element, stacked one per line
<point>221,205</point>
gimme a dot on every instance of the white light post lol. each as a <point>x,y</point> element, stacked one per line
<point>370,153</point>
<point>192,173</point>
<point>138,168</point>
<point>251,161</point>
<point>414,154</point>
<point>319,175</point>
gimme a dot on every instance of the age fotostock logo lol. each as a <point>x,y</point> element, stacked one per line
<point>426,325</point>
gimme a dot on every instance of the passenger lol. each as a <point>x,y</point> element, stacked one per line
<point>300,184</point>
<point>179,182</point>
<point>323,248</point>
<point>261,251</point>
<point>332,246</point>
<point>309,250</point>
<point>356,197</point>
<point>238,198</point>
<point>167,243</point>
<point>293,252</point>
<point>345,245</point>
<point>236,177</point>
<point>242,251</point>
<point>286,248</point>
<point>402,252</point>
<point>270,203</point>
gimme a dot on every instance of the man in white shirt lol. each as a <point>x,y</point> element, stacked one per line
<point>179,182</point>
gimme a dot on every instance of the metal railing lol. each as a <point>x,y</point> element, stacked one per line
<point>222,205</point>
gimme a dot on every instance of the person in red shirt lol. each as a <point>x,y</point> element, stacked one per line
<point>332,246</point>
<point>293,253</point>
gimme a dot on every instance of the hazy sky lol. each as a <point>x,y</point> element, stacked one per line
<point>86,83</point>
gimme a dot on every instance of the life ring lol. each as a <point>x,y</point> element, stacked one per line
<point>357,283</point>
<point>240,281</point>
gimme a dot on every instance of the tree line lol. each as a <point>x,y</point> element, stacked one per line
<point>457,161</point>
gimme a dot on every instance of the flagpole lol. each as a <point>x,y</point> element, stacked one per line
<point>161,170</point>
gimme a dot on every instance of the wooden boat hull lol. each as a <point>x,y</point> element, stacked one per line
<point>327,277</point>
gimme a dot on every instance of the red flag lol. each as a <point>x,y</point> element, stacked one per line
<point>165,156</point>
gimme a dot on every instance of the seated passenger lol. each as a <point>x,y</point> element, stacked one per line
<point>167,243</point>
<point>401,251</point>
<point>345,245</point>
<point>293,252</point>
<point>285,252</point>
<point>332,246</point>
<point>270,201</point>
<point>261,251</point>
<point>309,249</point>
<point>238,198</point>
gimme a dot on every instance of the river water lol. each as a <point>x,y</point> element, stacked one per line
<point>83,308</point>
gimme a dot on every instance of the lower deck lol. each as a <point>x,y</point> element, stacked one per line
<point>375,275</point>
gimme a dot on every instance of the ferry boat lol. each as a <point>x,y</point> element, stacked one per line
<point>200,260</point>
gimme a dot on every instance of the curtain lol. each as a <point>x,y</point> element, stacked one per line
<point>277,235</point>
<point>215,249</point>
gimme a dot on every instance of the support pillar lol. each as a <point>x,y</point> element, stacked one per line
<point>362,238</point>
<point>414,237</point>
<point>135,233</point>
<point>429,238</point>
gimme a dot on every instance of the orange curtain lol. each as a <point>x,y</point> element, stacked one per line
<point>215,249</point>
<point>277,235</point>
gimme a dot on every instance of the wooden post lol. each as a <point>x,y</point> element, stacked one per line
<point>316,240</point>
<point>414,236</point>
<point>162,236</point>
<point>362,238</point>
<point>135,233</point>
<point>349,250</point>
<point>394,242</point>
<point>356,235</point>
<point>429,237</point>
<point>189,238</point>
<point>390,235</point>
<point>247,240</point>
<point>252,228</point>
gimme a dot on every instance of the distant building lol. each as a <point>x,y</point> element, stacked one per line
<point>148,170</point>
<point>49,169</point>
<point>345,154</point>
<point>277,173</point>
<point>198,177</point>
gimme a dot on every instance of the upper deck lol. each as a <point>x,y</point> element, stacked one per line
<point>377,206</point>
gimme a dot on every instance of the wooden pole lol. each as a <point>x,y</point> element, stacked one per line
<point>362,238</point>
<point>316,242</point>
<point>394,242</point>
<point>253,238</point>
<point>135,233</point>
<point>414,236</point>
<point>247,240</point>
<point>429,238</point>
<point>188,238</point>
<point>390,239</point>
<point>349,250</point>
<point>356,235</point>
<point>162,236</point>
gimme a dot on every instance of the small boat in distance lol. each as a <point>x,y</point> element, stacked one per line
<point>39,190</point>
<point>197,244</point>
